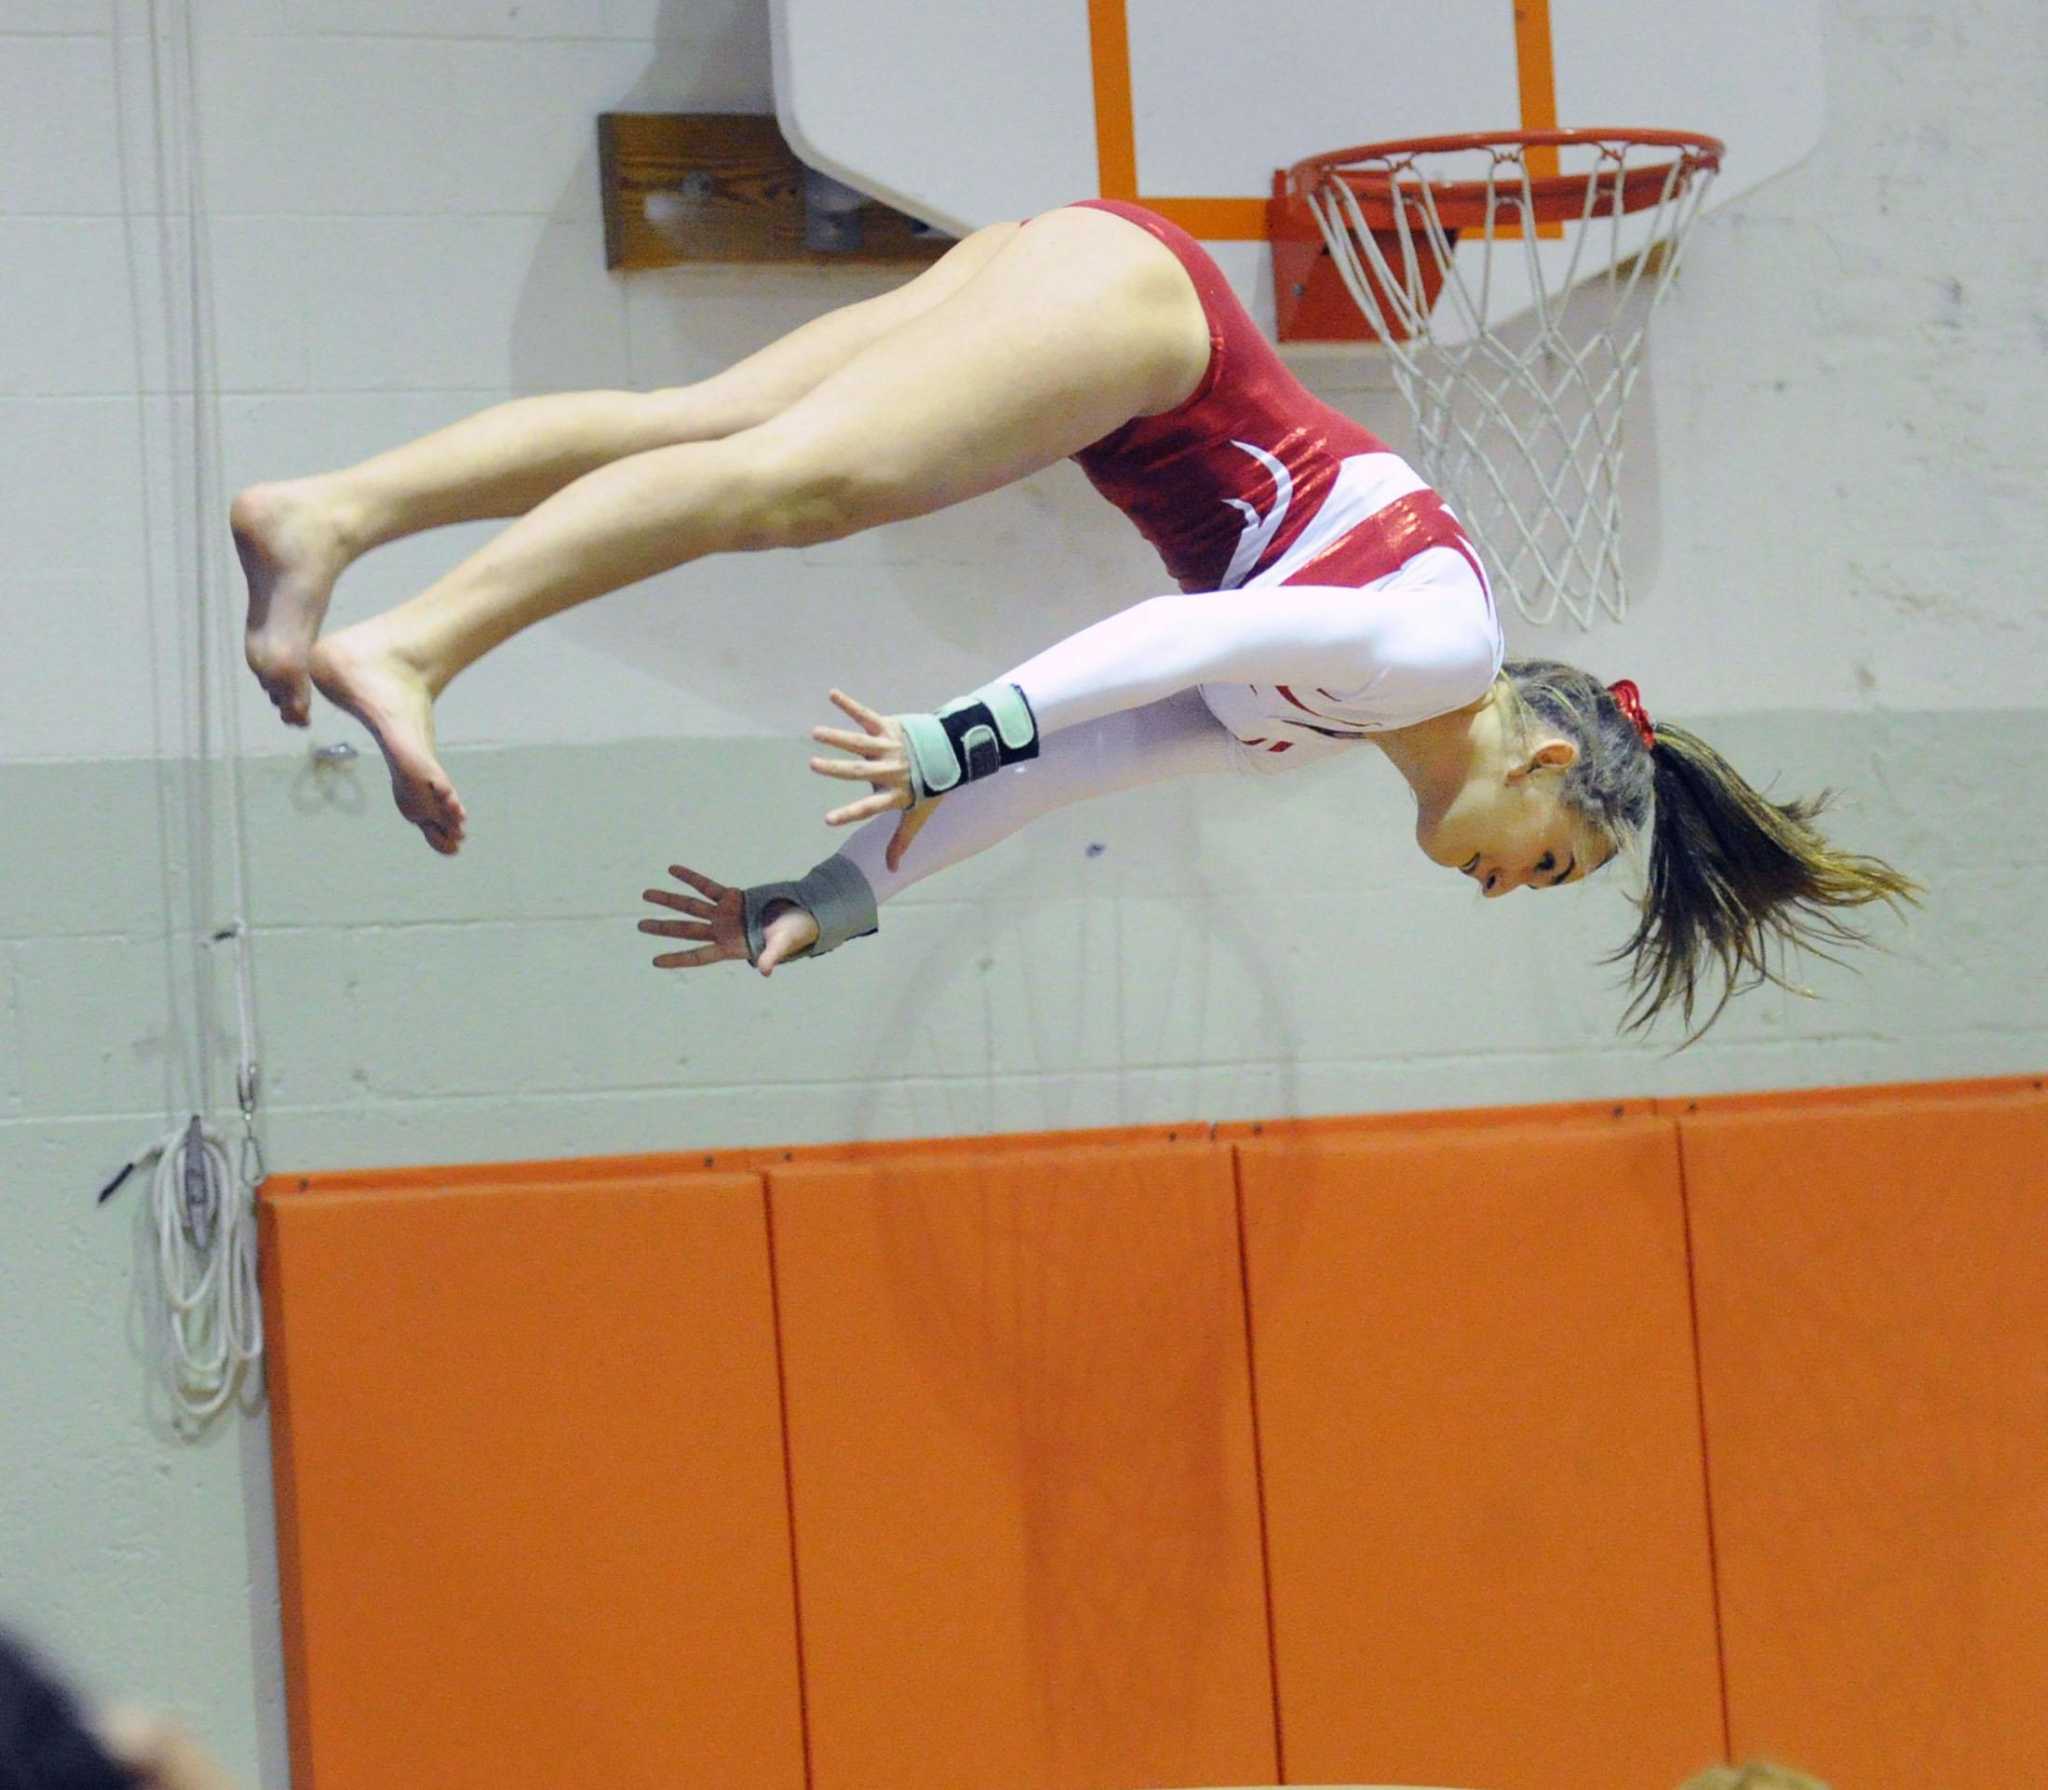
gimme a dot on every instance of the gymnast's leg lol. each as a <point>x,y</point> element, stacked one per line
<point>296,537</point>
<point>1078,323</point>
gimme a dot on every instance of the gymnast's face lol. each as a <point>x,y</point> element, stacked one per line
<point>1507,827</point>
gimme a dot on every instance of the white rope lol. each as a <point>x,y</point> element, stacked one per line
<point>205,1226</point>
<point>203,1204</point>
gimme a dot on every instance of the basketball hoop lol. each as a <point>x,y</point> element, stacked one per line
<point>1515,365</point>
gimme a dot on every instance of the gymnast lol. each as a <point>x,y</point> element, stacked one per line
<point>1328,600</point>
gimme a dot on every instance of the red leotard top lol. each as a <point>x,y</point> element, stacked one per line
<point>1223,485</point>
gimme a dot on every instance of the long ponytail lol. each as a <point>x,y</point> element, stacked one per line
<point>1732,877</point>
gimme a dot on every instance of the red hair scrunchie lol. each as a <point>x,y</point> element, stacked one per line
<point>1630,701</point>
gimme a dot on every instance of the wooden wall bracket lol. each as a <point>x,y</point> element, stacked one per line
<point>724,187</point>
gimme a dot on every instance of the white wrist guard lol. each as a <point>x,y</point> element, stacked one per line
<point>973,736</point>
<point>835,894</point>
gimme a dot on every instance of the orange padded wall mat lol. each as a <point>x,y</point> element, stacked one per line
<point>1022,1471</point>
<point>969,1462</point>
<point>1478,1421</point>
<point>743,1160</point>
<point>532,1524</point>
<point>1872,1306</point>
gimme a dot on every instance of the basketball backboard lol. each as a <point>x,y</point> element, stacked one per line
<point>964,116</point>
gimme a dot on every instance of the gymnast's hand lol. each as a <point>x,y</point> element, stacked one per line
<point>717,918</point>
<point>882,758</point>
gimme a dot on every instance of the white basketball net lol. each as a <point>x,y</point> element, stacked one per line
<point>1518,375</point>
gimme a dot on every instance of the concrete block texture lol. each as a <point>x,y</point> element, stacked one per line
<point>1833,532</point>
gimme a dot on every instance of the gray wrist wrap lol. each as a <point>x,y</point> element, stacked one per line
<point>834,893</point>
<point>971,737</point>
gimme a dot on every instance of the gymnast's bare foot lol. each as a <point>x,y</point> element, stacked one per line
<point>363,670</point>
<point>293,546</point>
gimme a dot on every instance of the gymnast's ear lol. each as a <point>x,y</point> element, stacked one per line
<point>1553,754</point>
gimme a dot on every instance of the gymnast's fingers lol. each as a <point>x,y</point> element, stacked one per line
<point>860,711</point>
<point>844,767</point>
<point>908,829</point>
<point>696,960</point>
<point>866,744</point>
<point>682,904</point>
<point>679,929</point>
<point>704,885</point>
<point>789,932</point>
<point>879,803</point>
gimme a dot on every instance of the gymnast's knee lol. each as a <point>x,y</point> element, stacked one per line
<point>794,499</point>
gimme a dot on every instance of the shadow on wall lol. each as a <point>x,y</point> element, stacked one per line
<point>1122,986</point>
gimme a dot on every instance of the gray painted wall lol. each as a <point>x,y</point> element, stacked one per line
<point>1835,537</point>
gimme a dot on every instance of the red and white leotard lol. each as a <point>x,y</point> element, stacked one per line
<point>1235,477</point>
<point>1326,593</point>
<point>1253,483</point>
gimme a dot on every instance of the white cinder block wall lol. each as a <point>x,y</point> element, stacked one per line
<point>1837,540</point>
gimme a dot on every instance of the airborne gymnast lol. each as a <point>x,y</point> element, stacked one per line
<point>1328,604</point>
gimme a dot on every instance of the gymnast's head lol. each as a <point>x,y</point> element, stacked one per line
<point>1570,774</point>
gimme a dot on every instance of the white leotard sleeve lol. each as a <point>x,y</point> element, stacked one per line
<point>1379,648</point>
<point>1119,704</point>
<point>1177,737</point>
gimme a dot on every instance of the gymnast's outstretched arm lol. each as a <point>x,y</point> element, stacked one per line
<point>1377,642</point>
<point>1174,737</point>
<point>1377,646</point>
